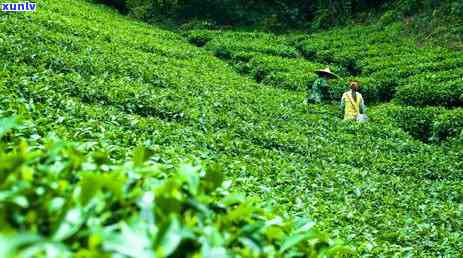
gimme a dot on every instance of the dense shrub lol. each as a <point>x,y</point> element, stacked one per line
<point>57,204</point>
<point>200,37</point>
<point>396,67</point>
<point>443,94</point>
<point>142,9</point>
<point>418,122</point>
<point>251,42</point>
<point>448,124</point>
<point>277,15</point>
<point>411,7</point>
<point>295,74</point>
<point>429,124</point>
<point>121,5</point>
<point>270,14</point>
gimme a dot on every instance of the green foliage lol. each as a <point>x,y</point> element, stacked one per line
<point>121,5</point>
<point>411,7</point>
<point>456,8</point>
<point>293,74</point>
<point>283,15</point>
<point>264,57</point>
<point>200,37</point>
<point>149,210</point>
<point>448,125</point>
<point>443,88</point>
<point>139,102</point>
<point>198,25</point>
<point>446,94</point>
<point>392,62</point>
<point>142,9</point>
<point>429,124</point>
<point>418,122</point>
<point>229,42</point>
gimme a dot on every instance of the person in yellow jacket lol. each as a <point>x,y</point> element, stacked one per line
<point>352,103</point>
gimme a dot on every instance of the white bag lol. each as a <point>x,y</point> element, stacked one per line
<point>362,118</point>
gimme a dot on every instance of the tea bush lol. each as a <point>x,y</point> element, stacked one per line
<point>418,122</point>
<point>393,60</point>
<point>295,74</point>
<point>265,43</point>
<point>433,88</point>
<point>448,125</point>
<point>201,37</point>
<point>62,201</point>
<point>429,124</point>
<point>346,60</point>
<point>445,94</point>
<point>266,58</point>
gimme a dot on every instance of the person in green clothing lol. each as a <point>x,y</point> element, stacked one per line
<point>320,86</point>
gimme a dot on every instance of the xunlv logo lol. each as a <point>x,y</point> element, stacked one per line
<point>18,7</point>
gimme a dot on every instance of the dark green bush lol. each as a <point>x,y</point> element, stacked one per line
<point>142,9</point>
<point>412,7</point>
<point>418,122</point>
<point>288,73</point>
<point>198,25</point>
<point>278,15</point>
<point>121,5</point>
<point>448,124</point>
<point>291,81</point>
<point>429,124</point>
<point>448,94</point>
<point>336,89</point>
<point>200,37</point>
<point>457,8</point>
<point>274,14</point>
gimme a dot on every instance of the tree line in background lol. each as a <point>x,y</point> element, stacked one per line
<point>318,14</point>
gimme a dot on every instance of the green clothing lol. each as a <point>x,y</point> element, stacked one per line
<point>315,94</point>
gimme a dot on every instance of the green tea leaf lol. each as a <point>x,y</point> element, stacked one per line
<point>296,239</point>
<point>70,224</point>
<point>214,177</point>
<point>169,237</point>
<point>190,175</point>
<point>6,124</point>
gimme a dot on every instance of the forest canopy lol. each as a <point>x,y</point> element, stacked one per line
<point>273,13</point>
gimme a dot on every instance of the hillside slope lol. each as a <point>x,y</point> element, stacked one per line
<point>95,77</point>
<point>388,64</point>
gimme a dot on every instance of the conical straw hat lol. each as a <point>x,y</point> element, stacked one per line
<point>326,71</point>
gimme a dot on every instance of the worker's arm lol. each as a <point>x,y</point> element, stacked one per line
<point>363,108</point>
<point>342,105</point>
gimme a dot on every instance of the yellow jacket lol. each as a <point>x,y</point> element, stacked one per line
<point>352,108</point>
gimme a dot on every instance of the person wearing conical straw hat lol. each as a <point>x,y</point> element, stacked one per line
<point>320,86</point>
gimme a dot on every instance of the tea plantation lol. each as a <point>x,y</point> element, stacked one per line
<point>122,139</point>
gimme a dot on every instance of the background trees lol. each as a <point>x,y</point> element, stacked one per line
<point>276,13</point>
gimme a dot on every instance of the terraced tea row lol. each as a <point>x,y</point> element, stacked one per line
<point>394,62</point>
<point>386,68</point>
<point>266,58</point>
